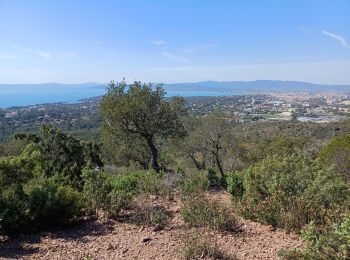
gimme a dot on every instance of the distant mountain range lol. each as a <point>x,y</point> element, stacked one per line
<point>31,94</point>
<point>256,86</point>
<point>206,86</point>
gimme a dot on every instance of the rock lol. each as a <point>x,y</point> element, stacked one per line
<point>146,239</point>
<point>109,246</point>
<point>125,250</point>
<point>157,228</point>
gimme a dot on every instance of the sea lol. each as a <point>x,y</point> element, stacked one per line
<point>25,95</point>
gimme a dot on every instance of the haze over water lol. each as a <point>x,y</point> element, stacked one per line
<point>24,95</point>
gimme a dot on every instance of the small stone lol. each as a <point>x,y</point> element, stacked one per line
<point>125,250</point>
<point>109,246</point>
<point>272,228</point>
<point>157,228</point>
<point>146,239</point>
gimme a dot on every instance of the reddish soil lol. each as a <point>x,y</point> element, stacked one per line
<point>123,239</point>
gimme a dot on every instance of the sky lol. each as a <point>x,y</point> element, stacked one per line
<point>78,41</point>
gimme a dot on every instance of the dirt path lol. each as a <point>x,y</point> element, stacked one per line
<point>122,240</point>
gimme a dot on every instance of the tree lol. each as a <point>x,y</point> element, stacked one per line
<point>63,154</point>
<point>209,139</point>
<point>142,113</point>
<point>337,153</point>
<point>129,149</point>
<point>193,144</point>
<point>215,129</point>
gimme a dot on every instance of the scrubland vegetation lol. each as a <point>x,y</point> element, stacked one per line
<point>289,175</point>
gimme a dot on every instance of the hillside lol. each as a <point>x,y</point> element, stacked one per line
<point>123,239</point>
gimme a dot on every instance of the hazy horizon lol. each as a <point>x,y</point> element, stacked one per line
<point>174,41</point>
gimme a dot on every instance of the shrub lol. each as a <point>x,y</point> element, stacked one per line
<point>330,243</point>
<point>213,179</point>
<point>128,183</point>
<point>149,214</point>
<point>108,194</point>
<point>235,185</point>
<point>337,153</point>
<point>196,247</point>
<point>13,211</point>
<point>118,200</point>
<point>152,183</point>
<point>51,205</point>
<point>194,182</point>
<point>199,211</point>
<point>289,192</point>
<point>96,191</point>
<point>63,155</point>
<point>44,205</point>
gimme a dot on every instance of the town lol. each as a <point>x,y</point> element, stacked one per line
<point>305,107</point>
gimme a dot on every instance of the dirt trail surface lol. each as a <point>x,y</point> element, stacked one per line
<point>123,239</point>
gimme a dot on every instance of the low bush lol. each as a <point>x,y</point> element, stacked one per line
<point>152,183</point>
<point>148,214</point>
<point>51,205</point>
<point>337,153</point>
<point>196,247</point>
<point>13,211</point>
<point>329,243</point>
<point>44,205</point>
<point>194,182</point>
<point>199,211</point>
<point>96,190</point>
<point>213,179</point>
<point>289,192</point>
<point>117,201</point>
<point>107,195</point>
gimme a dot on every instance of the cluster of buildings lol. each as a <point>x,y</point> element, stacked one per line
<point>305,107</point>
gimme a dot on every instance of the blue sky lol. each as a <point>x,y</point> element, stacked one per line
<point>174,40</point>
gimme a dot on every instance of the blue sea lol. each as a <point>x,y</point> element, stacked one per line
<point>24,95</point>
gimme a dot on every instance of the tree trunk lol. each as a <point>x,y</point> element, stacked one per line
<point>218,162</point>
<point>144,165</point>
<point>154,152</point>
<point>199,166</point>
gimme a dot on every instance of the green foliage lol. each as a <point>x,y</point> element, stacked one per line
<point>114,193</point>
<point>283,145</point>
<point>106,195</point>
<point>96,190</point>
<point>149,214</point>
<point>329,243</point>
<point>13,147</point>
<point>118,200</point>
<point>63,155</point>
<point>51,205</point>
<point>13,211</point>
<point>15,171</point>
<point>196,247</point>
<point>289,192</point>
<point>152,183</point>
<point>45,205</point>
<point>141,114</point>
<point>337,153</point>
<point>208,141</point>
<point>199,211</point>
<point>235,185</point>
<point>148,182</point>
<point>193,183</point>
<point>213,179</point>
